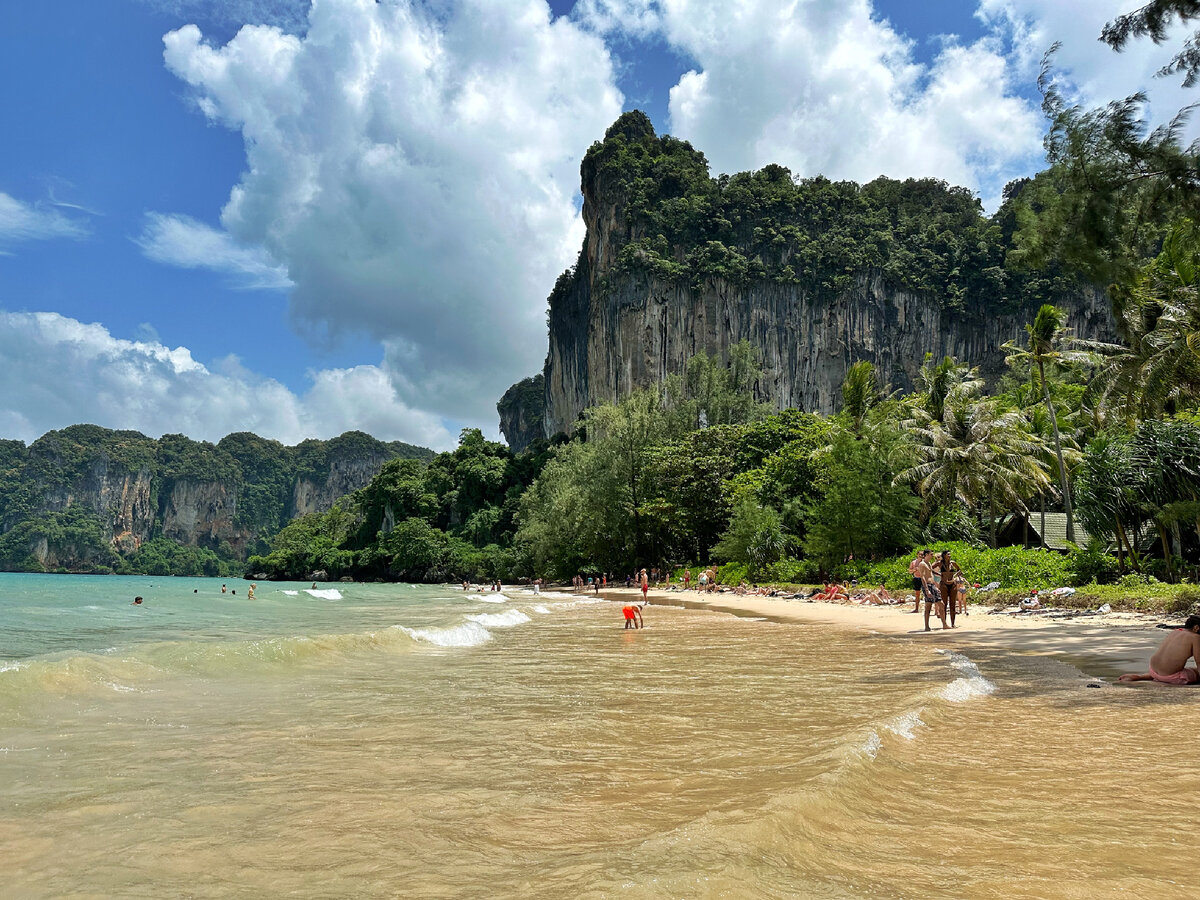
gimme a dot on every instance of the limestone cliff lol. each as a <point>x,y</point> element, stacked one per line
<point>815,274</point>
<point>522,412</point>
<point>199,513</point>
<point>86,496</point>
<point>345,473</point>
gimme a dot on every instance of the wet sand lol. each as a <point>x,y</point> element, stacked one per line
<point>1100,646</point>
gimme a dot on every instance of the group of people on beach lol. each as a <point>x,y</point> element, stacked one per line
<point>940,583</point>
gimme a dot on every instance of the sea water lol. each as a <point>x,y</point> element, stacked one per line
<point>398,740</point>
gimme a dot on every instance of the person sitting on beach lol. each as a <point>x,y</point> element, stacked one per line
<point>834,593</point>
<point>1167,665</point>
<point>633,616</point>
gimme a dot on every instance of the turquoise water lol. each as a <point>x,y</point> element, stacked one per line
<point>45,614</point>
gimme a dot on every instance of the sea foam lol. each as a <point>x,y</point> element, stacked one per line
<point>327,594</point>
<point>485,598</point>
<point>468,634</point>
<point>506,619</point>
<point>971,683</point>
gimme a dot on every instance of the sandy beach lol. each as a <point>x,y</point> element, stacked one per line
<point>1099,646</point>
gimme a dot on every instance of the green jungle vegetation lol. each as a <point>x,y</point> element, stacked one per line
<point>920,235</point>
<point>62,492</point>
<point>693,471</point>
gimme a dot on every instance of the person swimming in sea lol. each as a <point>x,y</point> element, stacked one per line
<point>222,589</point>
<point>1168,664</point>
<point>633,616</point>
<point>137,601</point>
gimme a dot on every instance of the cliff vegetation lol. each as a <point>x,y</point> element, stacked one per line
<point>91,499</point>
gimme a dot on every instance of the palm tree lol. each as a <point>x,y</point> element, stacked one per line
<point>860,392</point>
<point>1050,342</point>
<point>1107,495</point>
<point>938,380</point>
<point>1160,317</point>
<point>978,454</point>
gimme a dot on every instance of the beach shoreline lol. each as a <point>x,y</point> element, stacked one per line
<point>1099,646</point>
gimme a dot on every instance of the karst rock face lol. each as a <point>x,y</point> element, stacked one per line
<point>76,494</point>
<point>615,325</point>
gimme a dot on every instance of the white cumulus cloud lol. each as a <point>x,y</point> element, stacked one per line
<point>415,172</point>
<point>1094,72</point>
<point>834,89</point>
<point>55,370</point>
<point>831,87</point>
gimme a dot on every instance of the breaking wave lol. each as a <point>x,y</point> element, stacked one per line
<point>506,619</point>
<point>468,634</point>
<point>971,682</point>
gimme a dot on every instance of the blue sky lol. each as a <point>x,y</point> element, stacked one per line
<point>259,231</point>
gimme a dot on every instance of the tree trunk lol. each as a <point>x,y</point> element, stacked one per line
<point>1062,466</point>
<point>1166,545</point>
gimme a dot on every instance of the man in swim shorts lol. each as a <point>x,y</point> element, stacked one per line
<point>1167,665</point>
<point>633,616</point>
<point>918,585</point>
<point>933,600</point>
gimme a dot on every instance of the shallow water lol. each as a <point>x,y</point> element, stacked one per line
<point>424,742</point>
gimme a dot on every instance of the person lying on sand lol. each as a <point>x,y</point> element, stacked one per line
<point>1167,663</point>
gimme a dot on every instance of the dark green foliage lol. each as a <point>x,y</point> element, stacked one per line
<point>453,518</point>
<point>755,535</point>
<point>1155,19</point>
<point>862,511</point>
<point>920,234</point>
<point>1113,189</point>
<point>162,556</point>
<point>71,536</point>
<point>61,496</point>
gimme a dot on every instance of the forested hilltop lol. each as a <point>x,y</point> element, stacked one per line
<point>90,499</point>
<point>815,273</point>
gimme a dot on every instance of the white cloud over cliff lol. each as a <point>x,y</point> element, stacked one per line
<point>415,173</point>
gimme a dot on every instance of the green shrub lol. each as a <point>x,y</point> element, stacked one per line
<point>1091,564</point>
<point>793,571</point>
<point>733,573</point>
<point>1014,567</point>
<point>1136,580</point>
